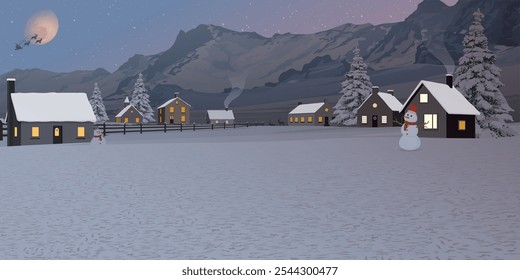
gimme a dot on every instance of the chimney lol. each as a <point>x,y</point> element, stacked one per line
<point>325,100</point>
<point>375,89</point>
<point>11,118</point>
<point>127,101</point>
<point>176,94</point>
<point>391,92</point>
<point>300,103</point>
<point>449,80</point>
<point>227,109</point>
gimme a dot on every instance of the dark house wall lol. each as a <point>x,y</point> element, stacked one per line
<point>315,117</point>
<point>432,107</point>
<point>177,113</point>
<point>453,126</point>
<point>69,132</point>
<point>368,110</point>
<point>12,121</point>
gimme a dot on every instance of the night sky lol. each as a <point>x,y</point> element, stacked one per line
<point>105,33</point>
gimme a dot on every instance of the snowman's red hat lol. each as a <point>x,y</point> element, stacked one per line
<point>412,108</point>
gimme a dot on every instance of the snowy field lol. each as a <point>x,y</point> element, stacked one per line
<point>262,193</point>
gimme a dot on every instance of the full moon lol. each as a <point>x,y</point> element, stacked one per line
<point>44,24</point>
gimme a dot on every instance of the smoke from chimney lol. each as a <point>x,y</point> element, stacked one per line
<point>238,82</point>
<point>436,47</point>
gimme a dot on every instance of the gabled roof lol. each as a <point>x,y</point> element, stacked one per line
<point>221,115</point>
<point>389,100</point>
<point>52,107</point>
<point>307,108</point>
<point>170,101</point>
<point>126,109</point>
<point>451,100</point>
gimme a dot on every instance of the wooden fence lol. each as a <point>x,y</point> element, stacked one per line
<point>3,131</point>
<point>112,128</point>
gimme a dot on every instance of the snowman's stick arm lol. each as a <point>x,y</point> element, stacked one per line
<point>397,122</point>
<point>426,124</point>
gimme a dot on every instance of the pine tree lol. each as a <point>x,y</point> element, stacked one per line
<point>96,101</point>
<point>478,79</point>
<point>356,88</point>
<point>141,100</point>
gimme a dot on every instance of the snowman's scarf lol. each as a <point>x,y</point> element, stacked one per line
<point>406,124</point>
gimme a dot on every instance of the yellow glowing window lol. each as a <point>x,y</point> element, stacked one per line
<point>296,120</point>
<point>126,120</point>
<point>364,119</point>
<point>290,119</point>
<point>374,105</point>
<point>15,131</point>
<point>302,119</point>
<point>430,121</point>
<point>118,119</point>
<point>423,98</point>
<point>462,125</point>
<point>35,132</point>
<point>320,119</point>
<point>56,132</point>
<point>326,109</point>
<point>183,109</point>
<point>137,120</point>
<point>183,118</point>
<point>176,102</point>
<point>160,119</point>
<point>384,119</point>
<point>81,132</point>
<point>309,119</point>
<point>172,109</point>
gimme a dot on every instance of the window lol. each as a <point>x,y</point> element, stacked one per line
<point>132,111</point>
<point>364,119</point>
<point>290,119</point>
<point>302,119</point>
<point>309,119</point>
<point>183,118</point>
<point>137,120</point>
<point>462,125</point>
<point>296,120</point>
<point>172,109</point>
<point>81,132</point>
<point>118,119</point>
<point>176,102</point>
<point>374,105</point>
<point>15,132</point>
<point>160,119</point>
<point>423,98</point>
<point>35,132</point>
<point>384,119</point>
<point>56,132</point>
<point>320,119</point>
<point>430,121</point>
<point>326,110</point>
<point>183,109</point>
<point>126,120</point>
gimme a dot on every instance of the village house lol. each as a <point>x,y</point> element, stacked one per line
<point>48,118</point>
<point>174,111</point>
<point>220,117</point>
<point>380,109</point>
<point>317,114</point>
<point>442,111</point>
<point>129,114</point>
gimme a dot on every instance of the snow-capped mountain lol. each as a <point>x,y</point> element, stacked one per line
<point>207,62</point>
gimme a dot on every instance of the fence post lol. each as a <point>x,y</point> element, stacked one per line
<point>104,129</point>
<point>234,125</point>
<point>124,129</point>
<point>193,127</point>
<point>211,126</point>
<point>141,128</point>
<point>224,125</point>
<point>164,127</point>
<point>247,124</point>
<point>181,127</point>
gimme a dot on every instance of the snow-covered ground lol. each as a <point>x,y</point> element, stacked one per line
<point>262,193</point>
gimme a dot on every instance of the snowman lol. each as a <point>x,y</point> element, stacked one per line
<point>409,140</point>
<point>98,137</point>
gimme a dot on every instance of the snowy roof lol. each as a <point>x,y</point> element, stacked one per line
<point>389,100</point>
<point>52,107</point>
<point>307,108</point>
<point>221,115</point>
<point>126,109</point>
<point>170,101</point>
<point>453,102</point>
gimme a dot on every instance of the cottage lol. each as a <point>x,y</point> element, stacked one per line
<point>442,110</point>
<point>380,109</point>
<point>220,117</point>
<point>317,114</point>
<point>129,114</point>
<point>174,111</point>
<point>48,118</point>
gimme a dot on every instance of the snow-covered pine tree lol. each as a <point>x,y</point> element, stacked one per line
<point>356,88</point>
<point>96,101</point>
<point>141,100</point>
<point>478,79</point>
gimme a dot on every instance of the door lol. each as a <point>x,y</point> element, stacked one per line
<point>326,121</point>
<point>374,121</point>
<point>171,119</point>
<point>57,135</point>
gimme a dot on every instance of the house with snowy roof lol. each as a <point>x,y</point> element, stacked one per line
<point>442,111</point>
<point>48,118</point>
<point>220,117</point>
<point>129,114</point>
<point>174,111</point>
<point>316,114</point>
<point>380,109</point>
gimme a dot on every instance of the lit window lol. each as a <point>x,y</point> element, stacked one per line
<point>56,132</point>
<point>430,121</point>
<point>374,105</point>
<point>320,119</point>
<point>309,119</point>
<point>364,119</point>
<point>462,125</point>
<point>118,119</point>
<point>296,120</point>
<point>290,119</point>
<point>302,119</point>
<point>126,120</point>
<point>35,132</point>
<point>81,132</point>
<point>216,121</point>
<point>183,109</point>
<point>172,109</point>
<point>160,119</point>
<point>384,119</point>
<point>423,98</point>
<point>137,120</point>
<point>227,122</point>
<point>176,102</point>
<point>326,109</point>
<point>183,118</point>
<point>15,131</point>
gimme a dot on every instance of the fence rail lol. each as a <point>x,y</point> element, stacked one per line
<point>114,128</point>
